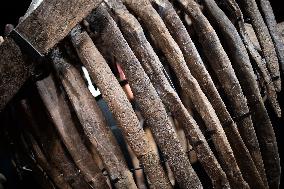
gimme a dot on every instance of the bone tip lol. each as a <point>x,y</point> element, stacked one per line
<point>1,40</point>
<point>277,85</point>
<point>278,112</point>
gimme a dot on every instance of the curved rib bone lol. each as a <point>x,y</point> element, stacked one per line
<point>60,114</point>
<point>93,122</point>
<point>121,109</point>
<point>244,71</point>
<point>135,37</point>
<point>264,129</point>
<point>148,101</point>
<point>250,8</point>
<point>44,131</point>
<point>157,28</point>
<point>195,64</point>
<point>270,21</point>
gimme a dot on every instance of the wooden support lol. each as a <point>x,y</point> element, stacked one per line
<point>43,28</point>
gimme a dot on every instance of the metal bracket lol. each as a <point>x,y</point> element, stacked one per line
<point>40,69</point>
<point>26,46</point>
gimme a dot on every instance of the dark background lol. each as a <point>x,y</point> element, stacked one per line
<point>11,10</point>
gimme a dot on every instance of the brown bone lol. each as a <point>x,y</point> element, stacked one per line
<point>58,109</point>
<point>136,39</point>
<point>148,101</point>
<point>121,109</point>
<point>93,122</point>
<point>195,64</point>
<point>243,69</point>
<point>157,28</point>
<point>250,8</point>
<point>270,21</point>
<point>50,169</point>
<point>263,128</point>
<point>258,62</point>
<point>45,133</point>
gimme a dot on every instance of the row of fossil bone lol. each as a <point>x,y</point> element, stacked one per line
<point>219,78</point>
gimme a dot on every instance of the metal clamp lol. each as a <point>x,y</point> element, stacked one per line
<point>40,68</point>
<point>26,46</point>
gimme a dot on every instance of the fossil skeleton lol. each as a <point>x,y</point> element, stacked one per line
<point>170,52</point>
